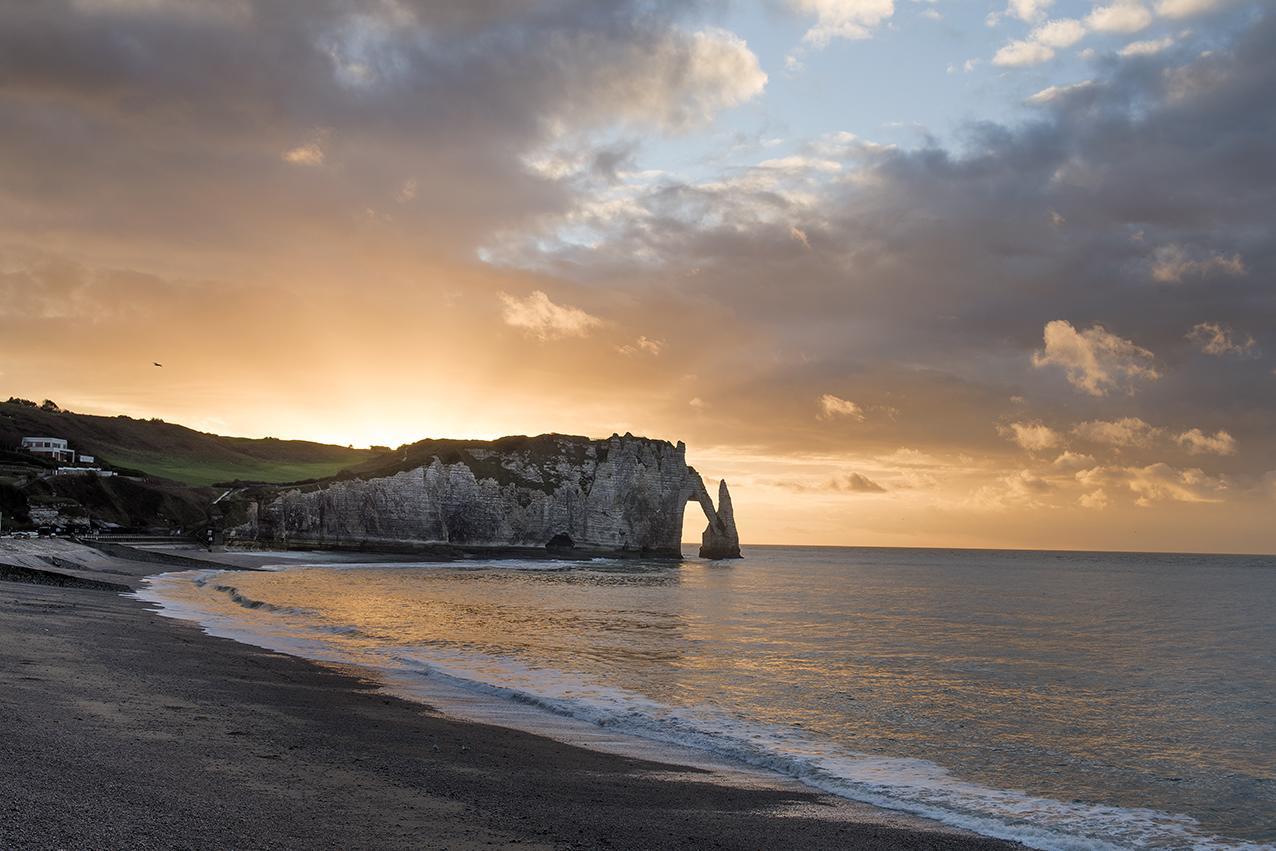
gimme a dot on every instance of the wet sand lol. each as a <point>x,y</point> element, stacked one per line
<point>122,729</point>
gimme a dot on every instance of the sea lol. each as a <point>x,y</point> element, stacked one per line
<point>1066,700</point>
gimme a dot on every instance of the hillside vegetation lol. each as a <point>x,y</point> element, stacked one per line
<point>176,452</point>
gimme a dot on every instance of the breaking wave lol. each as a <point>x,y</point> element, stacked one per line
<point>914,786</point>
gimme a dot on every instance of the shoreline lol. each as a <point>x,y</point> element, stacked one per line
<point>130,729</point>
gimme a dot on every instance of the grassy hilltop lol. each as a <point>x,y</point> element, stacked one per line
<point>175,452</point>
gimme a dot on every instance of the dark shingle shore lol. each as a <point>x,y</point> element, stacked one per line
<point>122,729</point>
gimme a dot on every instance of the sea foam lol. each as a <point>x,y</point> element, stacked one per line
<point>915,786</point>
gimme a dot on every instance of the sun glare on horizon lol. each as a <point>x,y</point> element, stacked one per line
<point>1009,296</point>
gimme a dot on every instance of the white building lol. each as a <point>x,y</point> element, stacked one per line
<point>53,448</point>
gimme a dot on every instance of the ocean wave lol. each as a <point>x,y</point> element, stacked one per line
<point>909,785</point>
<point>541,564</point>
<point>249,603</point>
<point>164,591</point>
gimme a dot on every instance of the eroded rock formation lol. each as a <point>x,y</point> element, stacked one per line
<point>620,495</point>
<point>720,538</point>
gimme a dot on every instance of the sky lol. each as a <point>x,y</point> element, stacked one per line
<point>947,273</point>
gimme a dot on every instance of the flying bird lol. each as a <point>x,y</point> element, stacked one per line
<point>156,363</point>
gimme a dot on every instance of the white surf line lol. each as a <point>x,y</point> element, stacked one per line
<point>926,800</point>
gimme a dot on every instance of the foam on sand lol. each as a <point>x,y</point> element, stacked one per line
<point>505,691</point>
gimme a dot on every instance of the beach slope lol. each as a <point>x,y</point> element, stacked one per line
<point>123,729</point>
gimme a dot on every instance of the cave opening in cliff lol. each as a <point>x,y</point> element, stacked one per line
<point>561,541</point>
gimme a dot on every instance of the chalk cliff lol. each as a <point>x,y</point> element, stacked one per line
<point>621,495</point>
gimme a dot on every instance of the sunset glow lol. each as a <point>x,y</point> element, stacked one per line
<point>1019,297</point>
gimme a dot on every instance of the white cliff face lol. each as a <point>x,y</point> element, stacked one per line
<point>623,494</point>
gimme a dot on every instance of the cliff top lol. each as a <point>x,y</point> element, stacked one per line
<point>488,458</point>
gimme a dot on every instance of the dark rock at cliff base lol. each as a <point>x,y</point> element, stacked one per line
<point>720,539</point>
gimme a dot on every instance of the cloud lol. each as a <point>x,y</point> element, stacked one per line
<point>1146,48</point>
<point>1176,9</point>
<point>1072,461</point>
<point>1122,16</point>
<point>848,19</point>
<point>1061,32</point>
<point>1125,432</point>
<point>674,81</point>
<point>1096,361</point>
<point>1198,442</point>
<point>1054,93</point>
<point>1159,483</point>
<point>309,154</point>
<point>1133,432</point>
<point>935,263</point>
<point>541,318</point>
<point>398,88</point>
<point>643,345</point>
<point>1027,482</point>
<point>1041,43</point>
<point>847,483</point>
<point>1172,263</point>
<point>1096,500</point>
<point>970,235</point>
<point>1022,489</point>
<point>1028,10</point>
<point>834,406</point>
<point>856,483</point>
<point>1034,437</point>
<point>1018,54</point>
<point>800,165</point>
<point>890,225</point>
<point>1216,338</point>
<point>721,71</point>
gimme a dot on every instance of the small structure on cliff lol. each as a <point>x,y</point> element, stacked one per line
<point>53,448</point>
<point>623,495</point>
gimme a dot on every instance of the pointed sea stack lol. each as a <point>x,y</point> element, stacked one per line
<point>720,539</point>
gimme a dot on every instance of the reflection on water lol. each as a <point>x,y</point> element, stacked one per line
<point>1143,682</point>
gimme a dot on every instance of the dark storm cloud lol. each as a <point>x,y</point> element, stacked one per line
<point>174,120</point>
<point>1142,203</point>
<point>607,163</point>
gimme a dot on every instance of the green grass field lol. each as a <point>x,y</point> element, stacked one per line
<point>195,471</point>
<point>175,452</point>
